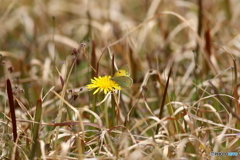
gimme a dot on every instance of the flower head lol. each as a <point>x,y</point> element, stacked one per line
<point>105,84</point>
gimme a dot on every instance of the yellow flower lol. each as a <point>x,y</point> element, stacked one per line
<point>105,84</point>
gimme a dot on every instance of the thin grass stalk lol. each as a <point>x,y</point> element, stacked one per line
<point>36,145</point>
<point>59,117</point>
<point>235,71</point>
<point>236,85</point>
<point>111,123</point>
<point>94,65</point>
<point>199,31</point>
<point>109,141</point>
<point>54,55</point>
<point>24,75</point>
<point>93,59</point>
<point>89,17</point>
<point>235,94</point>
<point>65,88</point>
<point>170,109</point>
<point>80,148</point>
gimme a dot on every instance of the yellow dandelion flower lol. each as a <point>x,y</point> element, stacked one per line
<point>105,84</point>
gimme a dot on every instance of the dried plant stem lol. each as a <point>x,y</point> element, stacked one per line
<point>12,109</point>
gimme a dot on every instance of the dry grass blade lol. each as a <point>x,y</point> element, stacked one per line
<point>61,50</point>
<point>224,103</point>
<point>74,109</point>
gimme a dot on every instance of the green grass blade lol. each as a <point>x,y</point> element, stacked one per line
<point>35,146</point>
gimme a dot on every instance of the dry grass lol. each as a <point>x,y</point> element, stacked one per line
<point>183,57</point>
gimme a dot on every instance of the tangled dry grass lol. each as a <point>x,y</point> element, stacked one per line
<point>183,57</point>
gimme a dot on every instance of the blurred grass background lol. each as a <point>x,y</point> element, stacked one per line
<point>198,41</point>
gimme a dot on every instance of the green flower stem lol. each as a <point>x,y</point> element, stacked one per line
<point>93,107</point>
<point>112,111</point>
